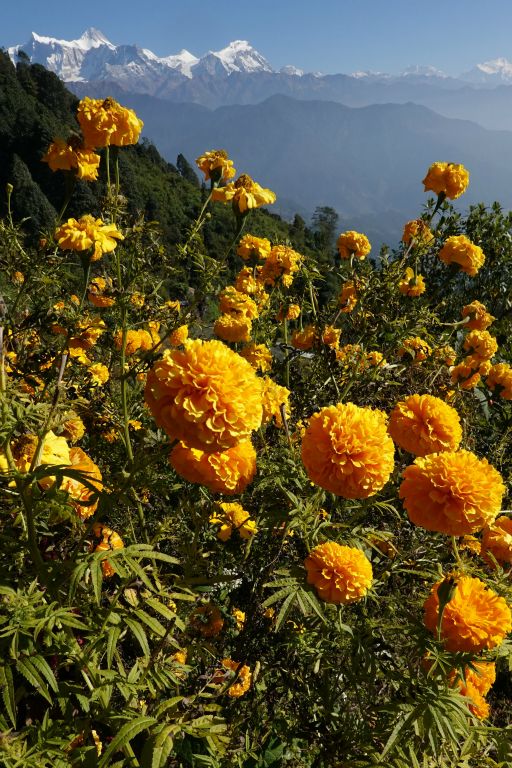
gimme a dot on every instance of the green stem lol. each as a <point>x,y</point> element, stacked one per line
<point>287,363</point>
<point>107,160</point>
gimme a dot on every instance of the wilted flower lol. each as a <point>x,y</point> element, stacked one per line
<point>88,232</point>
<point>216,165</point>
<point>98,292</point>
<point>207,620</point>
<point>228,472</point>
<point>340,574</point>
<point>244,194</point>
<point>104,122</point>
<point>353,243</point>
<point>424,424</point>
<point>233,517</point>
<point>500,376</point>
<point>458,249</point>
<point>448,179</point>
<point>274,399</point>
<point>71,155</point>
<point>304,339</point>
<point>418,230</point>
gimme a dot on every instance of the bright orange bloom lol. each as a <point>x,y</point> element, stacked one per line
<point>425,424</point>
<point>228,472</point>
<point>237,304</point>
<point>465,374</point>
<point>110,540</point>
<point>411,284</point>
<point>340,574</point>
<point>253,247</point>
<point>78,492</point>
<point>458,249</point>
<point>135,341</point>
<point>304,339</point>
<point>88,232</point>
<point>481,345</point>
<point>347,450</point>
<point>500,375</point>
<point>348,296</point>
<point>233,328</point>
<point>259,356</point>
<point>331,336</point>
<point>243,677</point>
<point>216,165</point>
<point>244,194</point>
<point>497,540</point>
<point>179,336</point>
<point>282,262</point>
<point>70,155</point>
<point>418,230</point>
<point>479,317</point>
<point>104,122</point>
<point>450,179</point>
<point>98,292</point>
<point>353,243</point>
<point>452,492</point>
<point>475,618</point>
<point>274,398</point>
<point>417,348</point>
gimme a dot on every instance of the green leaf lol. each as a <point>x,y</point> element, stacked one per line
<point>155,626</point>
<point>140,635</point>
<point>7,684</point>
<point>46,671</point>
<point>124,736</point>
<point>112,638</point>
<point>30,673</point>
<point>96,577</point>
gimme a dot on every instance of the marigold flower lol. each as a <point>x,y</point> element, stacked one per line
<point>97,289</point>
<point>350,355</point>
<point>70,155</point>
<point>180,657</point>
<point>18,278</point>
<point>233,328</point>
<point>78,492</point>
<point>239,617</point>
<point>73,429</point>
<point>471,544</point>
<point>304,339</point>
<point>179,336</point>
<point>331,336</point>
<point>248,281</point>
<point>292,312</point>
<point>206,395</point>
<point>228,472</point>
<point>475,684</point>
<point>348,296</point>
<point>244,194</point>
<point>243,674</point>
<point>418,230</point>
<point>259,356</point>
<point>481,344</point>
<point>137,299</point>
<point>479,317</point>
<point>452,492</point>
<point>216,165</point>
<point>375,359</point>
<point>347,450</point>
<point>465,374</point>
<point>207,620</point>
<point>105,122</point>
<point>282,262</point>
<point>353,243</point>
<point>474,619</point>
<point>500,376</point>
<point>411,284</point>
<point>110,540</point>
<point>448,179</point>
<point>458,249</point>
<point>55,451</point>
<point>424,424</point>
<point>497,540</point>
<point>233,517</point>
<point>417,348</point>
<point>99,374</point>
<point>251,247</point>
<point>447,354</point>
<point>274,398</point>
<point>88,232</point>
<point>339,574</point>
<point>232,302</point>
<point>135,341</point>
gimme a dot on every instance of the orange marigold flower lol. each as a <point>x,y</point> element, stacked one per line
<point>375,359</point>
<point>228,472</point>
<point>452,492</point>
<point>251,247</point>
<point>244,194</point>
<point>425,424</point>
<point>73,428</point>
<point>98,287</point>
<point>448,179</point>
<point>248,281</point>
<point>243,677</point>
<point>292,312</point>
<point>465,374</point>
<point>458,249</point>
<point>481,345</point>
<point>347,450</point>
<point>274,398</point>
<point>304,339</point>
<point>471,544</point>
<point>71,155</point>
<point>418,230</point>
<point>447,354</point>
<point>179,336</point>
<point>99,374</point>
<point>351,355</point>
<point>233,517</point>
<point>353,243</point>
<point>411,285</point>
<point>207,620</point>
<point>206,395</point>
<point>500,376</point>
<point>339,574</point>
<point>80,494</point>
<point>135,341</point>
<point>18,278</point>
<point>104,122</point>
<point>282,262</point>
<point>259,356</point>
<point>216,165</point>
<point>479,317</point>
<point>88,232</point>
<point>110,540</point>
<point>348,296</point>
<point>497,540</point>
<point>237,304</point>
<point>233,328</point>
<point>417,348</point>
<point>475,618</point>
<point>331,336</point>
<point>475,684</point>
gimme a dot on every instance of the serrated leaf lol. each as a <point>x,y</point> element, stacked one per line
<point>32,675</point>
<point>160,608</point>
<point>155,626</point>
<point>8,697</point>
<point>96,578</point>
<point>40,663</point>
<point>139,633</point>
<point>285,609</point>
<point>112,638</point>
<point>124,736</point>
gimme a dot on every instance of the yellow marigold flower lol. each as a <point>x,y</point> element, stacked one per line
<point>104,122</point>
<point>497,540</point>
<point>475,684</point>
<point>350,354</point>
<point>471,544</point>
<point>87,332</point>
<point>347,450</point>
<point>135,341</point>
<point>274,397</point>
<point>247,281</point>
<point>232,302</point>
<point>251,247</point>
<point>447,354</point>
<point>465,374</point>
<point>411,285</point>
<point>331,336</point>
<point>70,155</point>
<point>243,677</point>
<point>500,376</point>
<point>348,296</point>
<point>417,348</point>
<point>110,540</point>
<point>291,313</point>
<point>259,356</point>
<point>417,230</point>
<point>135,424</point>
<point>424,424</point>
<point>233,517</point>
<point>206,395</point>
<point>207,620</point>
<point>282,262</point>
<point>216,165</point>
<point>244,194</point>
<point>137,299</point>
<point>18,278</point>
<point>172,306</point>
<point>180,657</point>
<point>475,618</point>
<point>453,492</point>
<point>228,472</point>
<point>304,339</point>
<point>78,492</point>
<point>481,345</point>
<point>479,317</point>
<point>239,617</point>
<point>353,243</point>
<point>55,452</point>
<point>88,232</point>
<point>179,336</point>
<point>375,359</point>
<point>98,287</point>
<point>458,249</point>
<point>73,429</point>
<point>233,328</point>
<point>450,179</point>
<point>99,374</point>
<point>339,574</point>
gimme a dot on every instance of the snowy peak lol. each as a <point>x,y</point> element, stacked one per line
<point>495,71</point>
<point>92,38</point>
<point>417,70</point>
<point>182,61</point>
<point>238,56</point>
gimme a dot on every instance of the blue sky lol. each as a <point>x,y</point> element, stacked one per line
<point>324,35</point>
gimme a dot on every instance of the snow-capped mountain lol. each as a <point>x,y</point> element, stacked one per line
<point>494,72</point>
